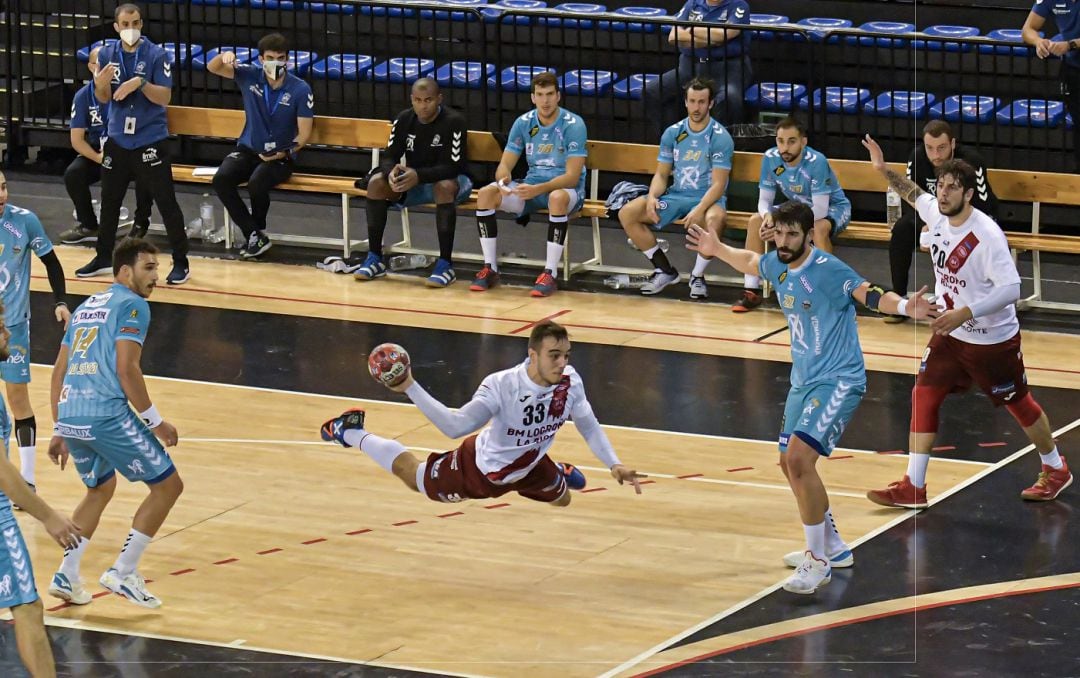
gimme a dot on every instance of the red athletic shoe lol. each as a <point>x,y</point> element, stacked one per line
<point>1050,483</point>
<point>901,494</point>
<point>484,280</point>
<point>750,300</point>
<point>544,285</point>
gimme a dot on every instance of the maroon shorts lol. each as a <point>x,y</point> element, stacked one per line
<point>453,476</point>
<point>998,369</point>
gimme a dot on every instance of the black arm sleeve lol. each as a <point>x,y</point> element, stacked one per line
<point>395,147</point>
<point>56,276</point>
<point>452,157</point>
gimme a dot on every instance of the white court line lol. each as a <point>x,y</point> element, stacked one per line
<point>626,666</point>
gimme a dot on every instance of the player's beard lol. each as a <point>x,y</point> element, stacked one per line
<point>782,254</point>
<point>953,211</point>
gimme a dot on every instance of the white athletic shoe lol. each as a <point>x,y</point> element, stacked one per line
<point>842,558</point>
<point>698,289</point>
<point>131,586</point>
<point>658,281</point>
<point>71,591</point>
<point>809,576</point>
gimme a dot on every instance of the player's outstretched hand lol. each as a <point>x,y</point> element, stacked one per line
<point>166,433</point>
<point>921,308</point>
<point>948,321</point>
<point>404,384</point>
<point>63,530</point>
<point>58,451</point>
<point>702,241</point>
<point>877,156</point>
<point>624,475</point>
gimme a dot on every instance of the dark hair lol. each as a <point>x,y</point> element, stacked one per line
<point>959,170</point>
<point>791,122</point>
<point>793,213</point>
<point>128,253</point>
<point>544,329</point>
<point>126,8</point>
<point>273,42</point>
<point>545,79</point>
<point>936,128</point>
<point>700,83</point>
<point>426,83</point>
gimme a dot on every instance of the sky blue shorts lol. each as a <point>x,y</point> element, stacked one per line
<point>101,447</point>
<point>16,369</point>
<point>819,413</point>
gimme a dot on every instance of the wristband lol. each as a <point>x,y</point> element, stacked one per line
<point>151,417</point>
<point>60,303</point>
<point>901,308</point>
<point>143,83</point>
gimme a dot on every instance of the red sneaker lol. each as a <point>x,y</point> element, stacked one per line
<point>1050,483</point>
<point>544,285</point>
<point>750,300</point>
<point>484,280</point>
<point>901,494</point>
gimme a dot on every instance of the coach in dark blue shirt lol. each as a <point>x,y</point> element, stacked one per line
<point>135,80</point>
<point>720,54</point>
<point>1066,15</point>
<point>279,111</point>
<point>88,119</point>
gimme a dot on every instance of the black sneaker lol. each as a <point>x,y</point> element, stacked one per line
<point>74,236</point>
<point>93,269</point>
<point>334,429</point>
<point>138,231</point>
<point>750,300</point>
<point>257,245</point>
<point>179,274</point>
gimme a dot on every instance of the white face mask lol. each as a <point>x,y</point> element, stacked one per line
<point>130,36</point>
<point>274,69</point>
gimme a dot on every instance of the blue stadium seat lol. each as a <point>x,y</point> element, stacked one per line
<point>632,87</point>
<point>766,20</point>
<point>820,25</point>
<point>186,52</point>
<point>275,4</point>
<point>455,16</point>
<point>837,99</point>
<point>220,3</point>
<point>634,26</point>
<point>83,55</point>
<point>966,108</point>
<point>243,55</point>
<point>492,13</point>
<point>1032,113</point>
<point>945,31</point>
<point>300,61</point>
<point>900,104</point>
<point>895,27</point>
<point>588,82</point>
<point>584,8</point>
<point>517,78</point>
<point>774,96</point>
<point>1008,35</point>
<point>340,8</point>
<point>465,74</point>
<point>402,69</point>
<point>343,67</point>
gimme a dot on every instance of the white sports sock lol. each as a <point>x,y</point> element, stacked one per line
<point>833,541</point>
<point>1051,458</point>
<point>490,248</point>
<point>554,256</point>
<point>381,450</point>
<point>28,459</point>
<point>128,560</point>
<point>421,473</point>
<point>916,468</point>
<point>651,251</point>
<point>751,282</point>
<point>815,540</point>
<point>72,557</point>
<point>699,266</point>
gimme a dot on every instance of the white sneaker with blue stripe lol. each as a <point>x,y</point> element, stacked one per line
<point>131,586</point>
<point>71,591</point>
<point>373,267</point>
<point>442,275</point>
<point>842,558</point>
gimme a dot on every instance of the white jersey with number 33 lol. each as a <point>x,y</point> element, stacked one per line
<point>970,260</point>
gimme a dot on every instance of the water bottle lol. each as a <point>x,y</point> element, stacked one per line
<point>626,281</point>
<point>124,214</point>
<point>194,228</point>
<point>206,217</point>
<point>408,262</point>
<point>659,241</point>
<point>892,207</point>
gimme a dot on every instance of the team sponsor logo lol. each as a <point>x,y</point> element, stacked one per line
<point>90,315</point>
<point>167,68</point>
<point>140,68</point>
<point>780,169</point>
<point>785,438</point>
<point>806,283</point>
<point>820,260</point>
<point>98,300</point>
<point>286,99</point>
<point>435,468</point>
<point>723,16</point>
<point>806,305</point>
<point>572,146</point>
<point>1,251</point>
<point>130,330</point>
<point>534,130</point>
<point>17,356</point>
<point>150,155</point>
<point>77,432</point>
<point>10,227</point>
<point>783,276</point>
<point>310,101</point>
<point>134,314</point>
<point>436,141</point>
<point>961,253</point>
<point>410,142</point>
<point>661,204</point>
<point>1000,389</point>
<point>682,135</point>
<point>106,162</point>
<point>95,117</point>
<point>136,467</point>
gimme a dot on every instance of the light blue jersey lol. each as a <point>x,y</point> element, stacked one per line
<point>816,300</point>
<point>91,385</point>
<point>693,155</point>
<point>21,233</point>
<point>548,147</point>
<point>5,434</point>
<point>812,176</point>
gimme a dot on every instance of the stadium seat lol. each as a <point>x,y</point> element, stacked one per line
<point>517,78</point>
<point>899,104</point>
<point>339,8</point>
<point>588,82</point>
<point>464,74</point>
<point>766,20</point>
<point>837,99</point>
<point>275,4</point>
<point>1032,113</point>
<point>402,69</point>
<point>584,8</point>
<point>893,27</point>
<point>300,61</point>
<point>966,108</point>
<point>774,96</point>
<point>945,31</point>
<point>343,67</point>
<point>633,86</point>
<point>243,55</point>
<point>220,3</point>
<point>634,26</point>
<point>493,13</point>
<point>1008,35</point>
<point>186,52</point>
<point>83,54</point>
<point>818,26</point>
<point>456,16</point>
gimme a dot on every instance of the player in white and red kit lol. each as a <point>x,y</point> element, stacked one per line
<point>976,334</point>
<point>526,406</point>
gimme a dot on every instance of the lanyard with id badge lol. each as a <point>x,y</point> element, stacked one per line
<point>271,108</point>
<point>121,70</point>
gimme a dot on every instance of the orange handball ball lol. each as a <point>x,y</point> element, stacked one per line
<point>388,364</point>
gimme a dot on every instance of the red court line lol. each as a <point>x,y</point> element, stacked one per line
<point>313,541</point>
<point>269,551</point>
<point>857,620</point>
<point>547,317</point>
<point>893,452</point>
<point>594,489</point>
<point>362,530</point>
<point>690,475</point>
<point>845,456</point>
<point>184,571</point>
<point>741,468</point>
<point>688,335</point>
<point>226,561</point>
<point>646,482</point>
<point>943,448</point>
<point>493,506</point>
<point>999,444</point>
<point>451,515</point>
<point>405,522</point>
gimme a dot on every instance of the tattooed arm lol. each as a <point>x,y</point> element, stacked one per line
<point>907,188</point>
